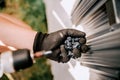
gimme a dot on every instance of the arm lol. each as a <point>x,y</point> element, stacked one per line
<point>15,21</point>
<point>16,35</point>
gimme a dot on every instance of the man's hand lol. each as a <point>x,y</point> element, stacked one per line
<point>54,42</point>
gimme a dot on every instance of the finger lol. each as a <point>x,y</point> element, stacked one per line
<point>64,55</point>
<point>84,48</point>
<point>82,40</point>
<point>75,33</point>
<point>55,55</point>
<point>76,52</point>
<point>38,54</point>
<point>42,53</point>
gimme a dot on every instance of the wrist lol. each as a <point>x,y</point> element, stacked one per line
<point>38,40</point>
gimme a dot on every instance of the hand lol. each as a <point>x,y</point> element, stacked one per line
<point>54,41</point>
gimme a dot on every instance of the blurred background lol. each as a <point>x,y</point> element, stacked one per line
<point>99,19</point>
<point>45,16</point>
<point>31,12</point>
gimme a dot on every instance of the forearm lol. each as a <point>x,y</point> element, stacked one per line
<point>13,20</point>
<point>15,35</point>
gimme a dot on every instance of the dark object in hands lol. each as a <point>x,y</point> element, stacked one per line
<point>74,46</point>
<point>54,41</point>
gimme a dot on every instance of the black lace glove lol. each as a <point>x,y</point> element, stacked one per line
<point>54,41</point>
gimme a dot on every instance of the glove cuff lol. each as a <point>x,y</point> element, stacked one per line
<point>38,41</point>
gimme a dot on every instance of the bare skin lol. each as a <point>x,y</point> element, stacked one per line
<point>16,33</point>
